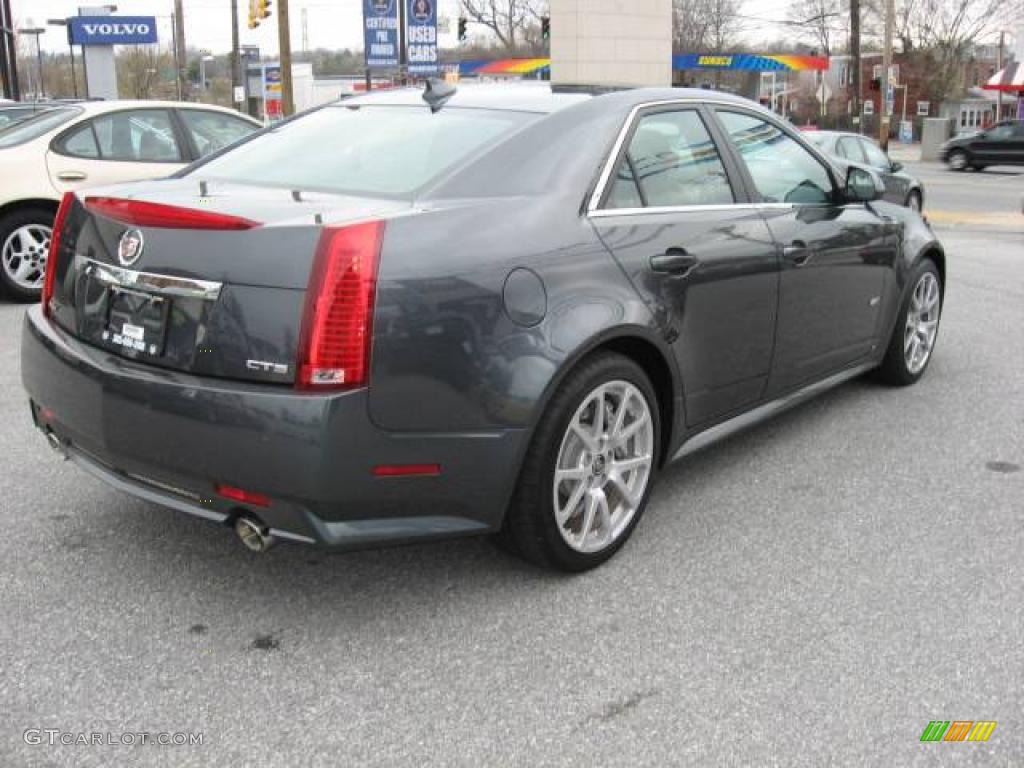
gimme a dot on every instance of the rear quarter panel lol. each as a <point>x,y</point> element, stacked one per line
<point>447,354</point>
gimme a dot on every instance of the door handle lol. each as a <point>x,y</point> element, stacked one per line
<point>674,261</point>
<point>71,176</point>
<point>797,252</point>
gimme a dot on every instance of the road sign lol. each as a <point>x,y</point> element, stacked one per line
<point>380,32</point>
<point>112,30</point>
<point>239,94</point>
<point>824,93</point>
<point>421,37</point>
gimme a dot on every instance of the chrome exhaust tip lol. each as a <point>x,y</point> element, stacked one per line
<point>253,534</point>
<point>54,442</point>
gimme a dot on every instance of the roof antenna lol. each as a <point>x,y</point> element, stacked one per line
<point>437,93</point>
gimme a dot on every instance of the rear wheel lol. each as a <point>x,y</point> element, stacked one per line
<point>957,160</point>
<point>590,467</point>
<point>24,245</point>
<point>917,328</point>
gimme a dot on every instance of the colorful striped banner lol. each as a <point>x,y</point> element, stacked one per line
<point>749,61</point>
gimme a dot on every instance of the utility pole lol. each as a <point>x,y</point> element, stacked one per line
<point>855,55</point>
<point>999,68</point>
<point>179,48</point>
<point>890,24</point>
<point>236,61</point>
<point>284,43</point>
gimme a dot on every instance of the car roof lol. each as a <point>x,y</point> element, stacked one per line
<point>538,96</point>
<point>100,107</point>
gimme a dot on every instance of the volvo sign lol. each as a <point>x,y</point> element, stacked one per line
<point>112,30</point>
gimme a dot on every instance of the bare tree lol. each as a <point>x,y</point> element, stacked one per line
<point>514,23</point>
<point>817,22</point>
<point>702,25</point>
<point>938,36</point>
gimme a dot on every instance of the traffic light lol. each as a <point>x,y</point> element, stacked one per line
<point>262,8</point>
<point>463,23</point>
<point>253,20</point>
<point>875,84</point>
<point>545,27</point>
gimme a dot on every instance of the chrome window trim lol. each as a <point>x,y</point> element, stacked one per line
<point>593,211</point>
<point>164,285</point>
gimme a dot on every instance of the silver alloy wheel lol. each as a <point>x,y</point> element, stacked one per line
<point>922,322</point>
<point>24,255</point>
<point>958,161</point>
<point>603,466</point>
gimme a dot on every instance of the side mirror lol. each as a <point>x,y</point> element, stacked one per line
<point>863,185</point>
<point>896,166</point>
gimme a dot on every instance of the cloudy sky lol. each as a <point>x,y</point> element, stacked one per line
<point>330,23</point>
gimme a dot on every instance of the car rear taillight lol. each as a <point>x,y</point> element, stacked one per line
<point>334,348</point>
<point>51,256</point>
<point>142,213</point>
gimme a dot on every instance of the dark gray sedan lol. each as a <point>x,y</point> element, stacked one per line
<point>900,187</point>
<point>499,311</point>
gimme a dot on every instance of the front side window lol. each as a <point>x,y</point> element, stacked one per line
<point>1001,132</point>
<point>143,136</point>
<point>671,161</point>
<point>782,170</point>
<point>212,131</point>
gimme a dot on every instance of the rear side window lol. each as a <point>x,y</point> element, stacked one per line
<point>384,151</point>
<point>211,131</point>
<point>145,136</point>
<point>849,148</point>
<point>671,161</point>
<point>782,170</point>
<point>876,157</point>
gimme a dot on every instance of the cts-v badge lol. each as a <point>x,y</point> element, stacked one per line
<point>266,367</point>
<point>129,248</point>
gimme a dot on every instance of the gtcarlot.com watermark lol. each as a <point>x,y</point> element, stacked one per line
<point>52,737</point>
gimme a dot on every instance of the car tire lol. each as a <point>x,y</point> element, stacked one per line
<point>24,245</point>
<point>914,201</point>
<point>917,327</point>
<point>586,517</point>
<point>958,160</point>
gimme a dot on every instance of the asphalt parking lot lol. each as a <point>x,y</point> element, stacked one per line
<point>812,592</point>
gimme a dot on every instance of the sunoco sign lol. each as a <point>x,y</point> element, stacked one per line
<point>112,30</point>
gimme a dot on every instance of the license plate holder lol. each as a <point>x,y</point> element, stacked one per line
<point>136,321</point>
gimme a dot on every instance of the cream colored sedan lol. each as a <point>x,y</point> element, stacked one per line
<point>87,144</point>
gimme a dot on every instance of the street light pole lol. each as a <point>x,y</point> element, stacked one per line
<point>890,25</point>
<point>37,31</point>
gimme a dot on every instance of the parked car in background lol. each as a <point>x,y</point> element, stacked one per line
<point>76,145</point>
<point>900,187</point>
<point>388,320</point>
<point>1002,144</point>
<point>14,112</point>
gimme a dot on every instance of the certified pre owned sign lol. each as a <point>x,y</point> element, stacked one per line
<point>112,30</point>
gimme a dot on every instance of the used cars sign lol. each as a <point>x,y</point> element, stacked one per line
<point>112,30</point>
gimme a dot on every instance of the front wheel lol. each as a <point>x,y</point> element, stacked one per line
<point>590,467</point>
<point>917,328</point>
<point>957,160</point>
<point>24,245</point>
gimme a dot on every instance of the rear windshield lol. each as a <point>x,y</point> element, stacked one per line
<point>34,127</point>
<point>374,150</point>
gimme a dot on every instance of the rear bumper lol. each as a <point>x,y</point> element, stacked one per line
<point>170,438</point>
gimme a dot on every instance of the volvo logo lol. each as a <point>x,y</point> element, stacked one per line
<point>130,248</point>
